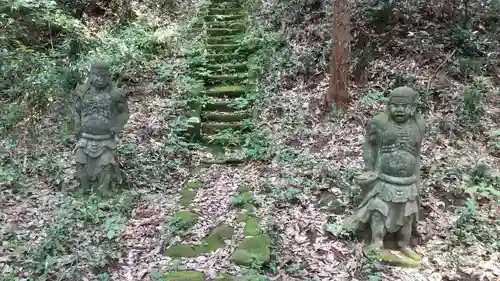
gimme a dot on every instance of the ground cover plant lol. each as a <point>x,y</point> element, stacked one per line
<point>289,198</point>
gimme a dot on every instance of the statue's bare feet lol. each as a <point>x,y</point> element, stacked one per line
<point>411,254</point>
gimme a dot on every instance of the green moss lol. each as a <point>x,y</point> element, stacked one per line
<point>249,207</point>
<point>182,250</point>
<point>253,249</point>
<point>225,277</point>
<point>193,185</point>
<point>183,276</point>
<point>216,239</point>
<point>185,219</point>
<point>252,227</point>
<point>241,217</point>
<point>244,198</point>
<point>224,89</point>
<point>187,195</point>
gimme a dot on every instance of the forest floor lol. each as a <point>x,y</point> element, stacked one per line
<point>48,230</point>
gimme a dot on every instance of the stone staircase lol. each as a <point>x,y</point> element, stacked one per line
<point>222,116</point>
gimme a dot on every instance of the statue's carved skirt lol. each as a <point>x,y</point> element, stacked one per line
<point>95,154</point>
<point>396,202</point>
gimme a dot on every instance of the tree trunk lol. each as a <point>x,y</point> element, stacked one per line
<point>339,60</point>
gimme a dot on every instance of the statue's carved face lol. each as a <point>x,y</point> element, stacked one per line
<point>401,109</point>
<point>100,78</point>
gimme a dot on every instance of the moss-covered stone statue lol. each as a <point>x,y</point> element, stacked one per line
<point>102,111</point>
<point>391,182</point>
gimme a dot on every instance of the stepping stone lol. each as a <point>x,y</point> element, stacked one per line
<point>252,227</point>
<point>253,249</point>
<point>229,105</point>
<point>242,217</point>
<point>223,11</point>
<point>193,185</point>
<point>226,79</point>
<point>226,117</point>
<point>187,196</point>
<point>213,128</point>
<point>182,250</point>
<point>228,39</point>
<point>223,31</point>
<point>225,5</point>
<point>224,17</point>
<point>183,276</point>
<point>238,57</point>
<point>227,67</point>
<point>224,1</point>
<point>228,24</point>
<point>186,219</point>
<point>216,239</point>
<point>234,91</point>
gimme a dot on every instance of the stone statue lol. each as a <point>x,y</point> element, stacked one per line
<point>391,182</point>
<point>102,112</point>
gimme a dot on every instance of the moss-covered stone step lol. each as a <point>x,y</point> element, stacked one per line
<point>225,17</point>
<point>227,39</point>
<point>228,24</point>
<point>226,116</point>
<point>216,239</point>
<point>223,11</point>
<point>224,79</point>
<point>225,105</point>
<point>186,219</point>
<point>227,68</point>
<point>238,57</point>
<point>213,127</point>
<point>229,91</point>
<point>183,276</point>
<point>225,5</point>
<point>182,250</point>
<point>252,227</point>
<point>193,185</point>
<point>222,48</point>
<point>223,2</point>
<point>221,31</point>
<point>187,196</point>
<point>253,249</point>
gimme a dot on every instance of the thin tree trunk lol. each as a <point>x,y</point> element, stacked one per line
<point>339,60</point>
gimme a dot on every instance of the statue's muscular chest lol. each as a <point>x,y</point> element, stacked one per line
<point>405,137</point>
<point>97,103</point>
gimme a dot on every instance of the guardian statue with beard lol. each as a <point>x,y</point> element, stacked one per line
<point>102,112</point>
<point>391,181</point>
